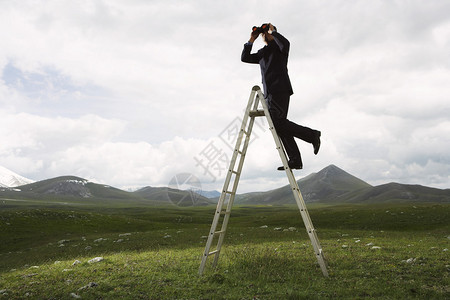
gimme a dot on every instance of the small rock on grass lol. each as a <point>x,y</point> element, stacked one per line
<point>73,295</point>
<point>100,240</point>
<point>77,262</point>
<point>89,285</point>
<point>95,260</point>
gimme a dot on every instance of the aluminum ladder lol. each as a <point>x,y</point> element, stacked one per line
<point>227,196</point>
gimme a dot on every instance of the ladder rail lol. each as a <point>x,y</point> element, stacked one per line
<point>297,194</point>
<point>236,181</point>
<point>222,198</point>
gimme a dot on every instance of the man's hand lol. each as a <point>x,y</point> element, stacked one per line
<point>253,36</point>
<point>271,28</point>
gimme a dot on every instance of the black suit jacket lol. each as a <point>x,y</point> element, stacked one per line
<point>272,59</point>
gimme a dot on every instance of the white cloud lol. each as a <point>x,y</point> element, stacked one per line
<point>39,140</point>
<point>128,93</point>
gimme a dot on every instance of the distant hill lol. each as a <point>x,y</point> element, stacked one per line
<point>334,185</point>
<point>400,193</point>
<point>10,179</point>
<point>328,185</point>
<point>70,188</point>
<point>78,190</point>
<point>174,196</point>
<point>210,194</point>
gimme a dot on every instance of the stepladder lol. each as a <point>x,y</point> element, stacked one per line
<point>256,107</point>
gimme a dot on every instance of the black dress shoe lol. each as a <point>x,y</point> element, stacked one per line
<point>316,142</point>
<point>293,164</point>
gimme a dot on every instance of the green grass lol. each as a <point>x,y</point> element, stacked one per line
<point>160,255</point>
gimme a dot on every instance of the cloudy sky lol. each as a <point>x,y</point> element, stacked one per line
<point>133,93</point>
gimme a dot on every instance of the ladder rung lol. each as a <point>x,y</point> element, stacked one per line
<point>234,172</point>
<point>219,232</point>
<point>224,212</point>
<point>256,113</point>
<point>229,192</point>
<point>245,132</point>
<point>213,252</point>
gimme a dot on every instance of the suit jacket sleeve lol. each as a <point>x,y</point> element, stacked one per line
<point>247,57</point>
<point>281,41</point>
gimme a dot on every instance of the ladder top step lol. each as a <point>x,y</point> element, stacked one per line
<point>256,113</point>
<point>213,252</point>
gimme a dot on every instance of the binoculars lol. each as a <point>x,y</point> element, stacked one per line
<point>263,28</point>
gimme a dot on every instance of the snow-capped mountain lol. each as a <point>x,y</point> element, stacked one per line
<point>10,179</point>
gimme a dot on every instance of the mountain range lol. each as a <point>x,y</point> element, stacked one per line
<point>334,185</point>
<point>330,185</point>
<point>81,191</point>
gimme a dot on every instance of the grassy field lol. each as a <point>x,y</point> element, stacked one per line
<point>374,251</point>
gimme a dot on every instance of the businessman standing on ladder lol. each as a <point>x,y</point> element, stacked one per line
<point>272,60</point>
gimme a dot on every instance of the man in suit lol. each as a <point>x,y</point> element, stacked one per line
<point>273,59</point>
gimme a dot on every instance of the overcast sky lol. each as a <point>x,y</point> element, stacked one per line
<point>132,93</point>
